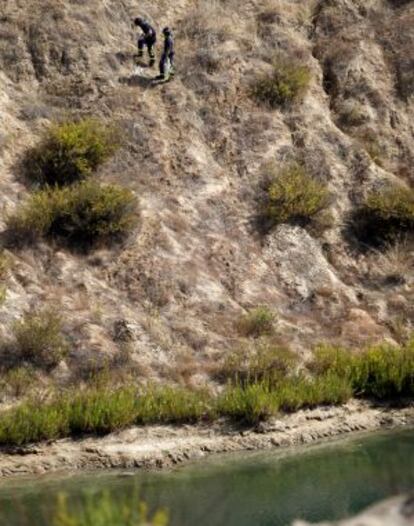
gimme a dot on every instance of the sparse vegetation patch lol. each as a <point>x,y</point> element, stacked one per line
<point>257,322</point>
<point>385,215</point>
<point>38,340</point>
<point>273,385</point>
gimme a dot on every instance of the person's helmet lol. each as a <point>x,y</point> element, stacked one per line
<point>166,31</point>
<point>138,21</point>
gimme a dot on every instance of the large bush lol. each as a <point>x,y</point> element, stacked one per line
<point>295,197</point>
<point>83,214</point>
<point>70,152</point>
<point>39,339</point>
<point>287,83</point>
<point>385,215</point>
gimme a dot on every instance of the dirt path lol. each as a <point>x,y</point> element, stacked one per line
<point>165,446</point>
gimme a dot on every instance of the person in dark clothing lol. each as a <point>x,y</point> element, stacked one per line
<point>167,55</point>
<point>149,38</point>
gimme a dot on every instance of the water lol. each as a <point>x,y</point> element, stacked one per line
<point>260,489</point>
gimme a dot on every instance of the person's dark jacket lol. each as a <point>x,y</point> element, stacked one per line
<point>168,46</point>
<point>147,29</point>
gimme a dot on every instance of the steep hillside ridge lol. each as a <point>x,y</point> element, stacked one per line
<point>196,152</point>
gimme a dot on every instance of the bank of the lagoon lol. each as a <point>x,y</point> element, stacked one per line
<point>167,446</point>
<point>313,482</point>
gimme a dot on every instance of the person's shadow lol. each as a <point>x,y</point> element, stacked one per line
<point>137,80</point>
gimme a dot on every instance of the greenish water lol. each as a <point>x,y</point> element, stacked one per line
<point>259,489</point>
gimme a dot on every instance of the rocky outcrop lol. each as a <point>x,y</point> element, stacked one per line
<point>398,511</point>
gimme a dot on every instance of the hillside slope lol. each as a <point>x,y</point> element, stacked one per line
<point>196,152</point>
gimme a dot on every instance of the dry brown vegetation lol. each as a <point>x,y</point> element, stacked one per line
<point>193,151</point>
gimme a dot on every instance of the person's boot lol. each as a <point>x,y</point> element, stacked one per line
<point>151,62</point>
<point>140,53</point>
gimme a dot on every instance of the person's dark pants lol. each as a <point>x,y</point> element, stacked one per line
<point>150,43</point>
<point>163,64</point>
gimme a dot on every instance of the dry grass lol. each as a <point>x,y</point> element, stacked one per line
<point>395,263</point>
<point>209,22</point>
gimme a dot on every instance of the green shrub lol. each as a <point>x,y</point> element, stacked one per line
<point>384,372</point>
<point>385,215</point>
<point>295,197</point>
<point>33,421</point>
<point>104,510</point>
<point>100,409</point>
<point>249,404</point>
<point>172,405</point>
<point>70,152</point>
<point>84,214</point>
<point>287,83</point>
<point>258,322</point>
<point>39,340</point>
<point>299,392</point>
<point>259,401</point>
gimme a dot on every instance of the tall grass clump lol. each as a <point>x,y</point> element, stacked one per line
<point>100,409</point>
<point>84,214</point>
<point>258,401</point>
<point>173,405</point>
<point>70,152</point>
<point>257,322</point>
<point>295,197</point>
<point>38,339</point>
<point>385,216</point>
<point>106,510</point>
<point>383,371</point>
<point>264,362</point>
<point>288,82</point>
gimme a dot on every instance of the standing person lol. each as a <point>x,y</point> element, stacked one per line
<point>167,55</point>
<point>149,38</point>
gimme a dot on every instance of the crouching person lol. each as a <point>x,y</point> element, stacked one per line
<point>148,39</point>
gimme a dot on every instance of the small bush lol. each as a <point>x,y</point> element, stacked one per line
<point>70,152</point>
<point>39,340</point>
<point>287,83</point>
<point>84,214</point>
<point>385,216</point>
<point>295,197</point>
<point>249,404</point>
<point>258,322</point>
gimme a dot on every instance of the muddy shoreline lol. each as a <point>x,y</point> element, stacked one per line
<point>157,447</point>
